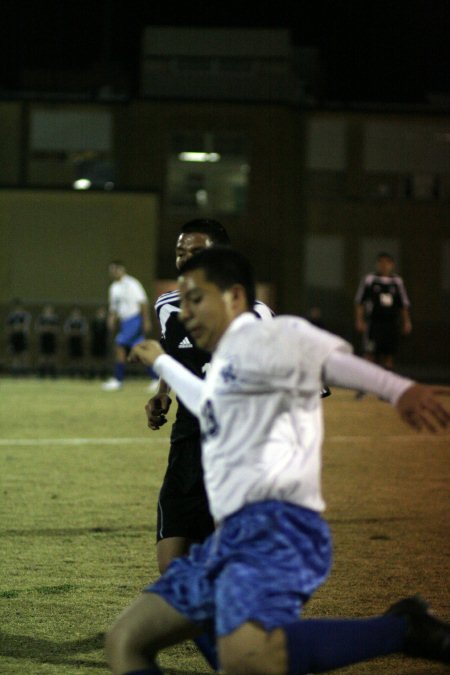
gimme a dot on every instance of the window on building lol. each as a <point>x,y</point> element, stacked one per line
<point>71,148</point>
<point>207,172</point>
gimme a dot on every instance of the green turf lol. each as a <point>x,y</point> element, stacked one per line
<point>77,520</point>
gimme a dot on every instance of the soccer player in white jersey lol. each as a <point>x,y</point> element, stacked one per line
<point>128,310</point>
<point>261,419</point>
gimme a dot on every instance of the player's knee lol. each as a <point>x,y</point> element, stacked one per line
<point>121,643</point>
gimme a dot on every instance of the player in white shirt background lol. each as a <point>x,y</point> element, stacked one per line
<point>261,419</point>
<point>129,313</point>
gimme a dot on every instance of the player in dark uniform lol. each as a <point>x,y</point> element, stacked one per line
<point>382,312</point>
<point>18,329</point>
<point>183,513</point>
<point>47,326</point>
<point>76,329</point>
<point>99,343</point>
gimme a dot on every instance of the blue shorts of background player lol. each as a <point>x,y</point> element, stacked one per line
<point>262,564</point>
<point>131,332</point>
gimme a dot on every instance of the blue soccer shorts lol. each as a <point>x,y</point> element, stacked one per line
<point>262,564</point>
<point>131,332</point>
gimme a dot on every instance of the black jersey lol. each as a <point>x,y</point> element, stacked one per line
<point>99,337</point>
<point>47,322</point>
<point>75,326</point>
<point>382,297</point>
<point>177,342</point>
<point>18,320</point>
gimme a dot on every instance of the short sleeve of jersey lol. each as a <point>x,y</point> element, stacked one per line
<point>139,291</point>
<point>285,353</point>
<point>361,293</point>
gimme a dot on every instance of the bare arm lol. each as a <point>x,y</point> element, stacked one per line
<point>360,322</point>
<point>406,321</point>
<point>111,321</point>
<point>146,323</point>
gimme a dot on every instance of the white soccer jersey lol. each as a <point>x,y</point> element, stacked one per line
<point>261,414</point>
<point>126,296</point>
<point>260,409</point>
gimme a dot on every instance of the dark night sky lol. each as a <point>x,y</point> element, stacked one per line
<point>372,50</point>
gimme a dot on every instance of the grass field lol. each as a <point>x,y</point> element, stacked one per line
<point>79,478</point>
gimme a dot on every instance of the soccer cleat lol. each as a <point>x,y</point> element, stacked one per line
<point>112,385</point>
<point>426,637</point>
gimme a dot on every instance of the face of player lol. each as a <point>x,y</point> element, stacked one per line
<point>116,272</point>
<point>385,266</point>
<point>206,311</point>
<point>188,244</point>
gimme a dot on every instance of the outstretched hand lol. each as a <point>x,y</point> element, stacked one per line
<point>146,352</point>
<point>420,408</point>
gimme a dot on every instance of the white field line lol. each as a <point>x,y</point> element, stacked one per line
<point>81,441</point>
<point>152,440</point>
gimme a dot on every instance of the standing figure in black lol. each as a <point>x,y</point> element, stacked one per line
<point>183,512</point>
<point>382,312</point>
<point>18,331</point>
<point>99,345</point>
<point>76,329</point>
<point>47,327</point>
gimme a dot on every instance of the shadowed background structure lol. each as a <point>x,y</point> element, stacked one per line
<point>318,132</point>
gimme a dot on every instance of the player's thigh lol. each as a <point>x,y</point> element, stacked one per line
<point>150,624</point>
<point>170,548</point>
<point>251,650</point>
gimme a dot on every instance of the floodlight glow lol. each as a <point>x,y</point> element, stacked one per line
<point>199,156</point>
<point>82,184</point>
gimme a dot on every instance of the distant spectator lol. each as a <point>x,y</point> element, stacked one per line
<point>99,345</point>
<point>18,332</point>
<point>76,330</point>
<point>47,327</point>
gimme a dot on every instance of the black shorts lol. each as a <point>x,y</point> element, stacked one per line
<point>48,344</point>
<point>18,342</point>
<point>76,347</point>
<point>384,338</point>
<point>183,505</point>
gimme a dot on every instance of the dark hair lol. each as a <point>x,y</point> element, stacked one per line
<point>216,232</point>
<point>224,267</point>
<point>383,254</point>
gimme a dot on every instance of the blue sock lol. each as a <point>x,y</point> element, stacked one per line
<point>119,371</point>
<point>318,645</point>
<point>207,645</point>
